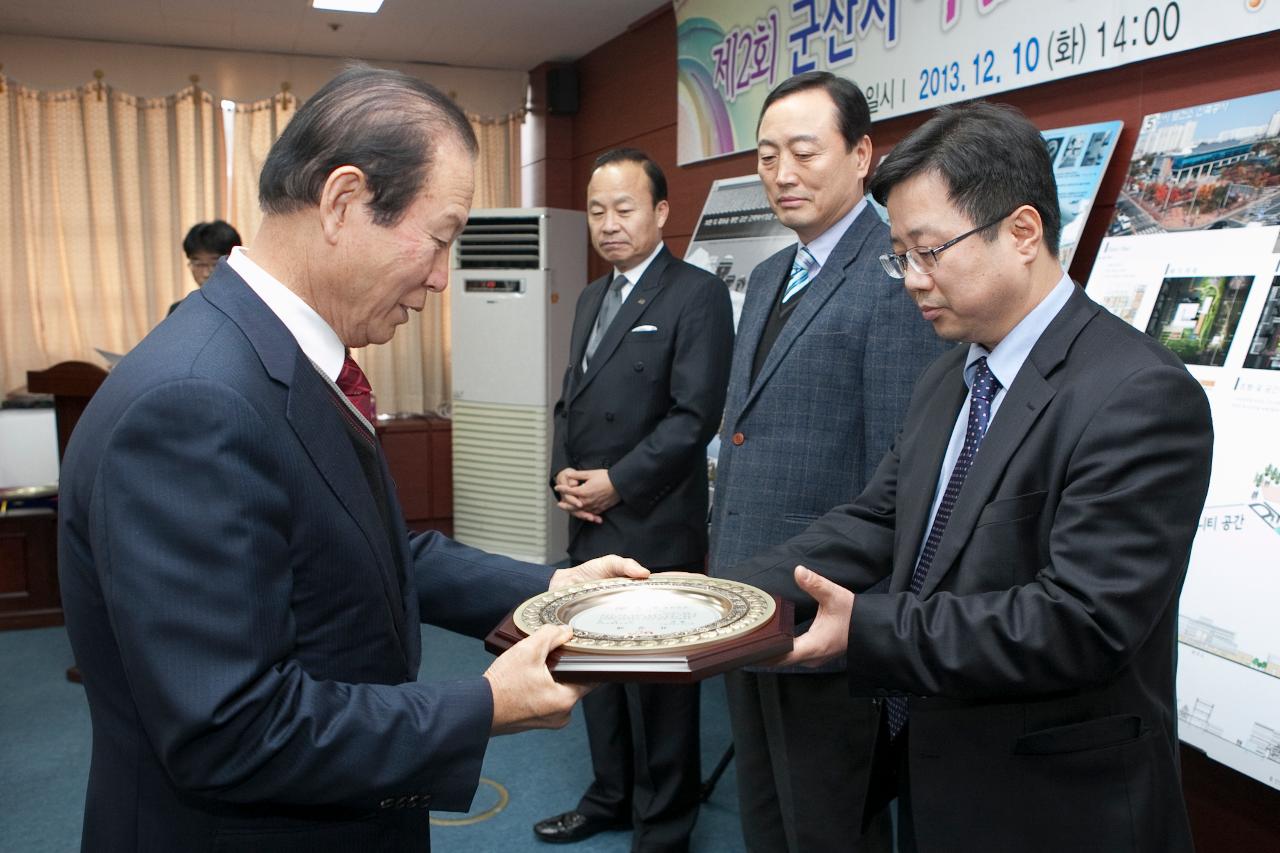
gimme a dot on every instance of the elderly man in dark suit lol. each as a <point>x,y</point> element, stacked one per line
<point>828,348</point>
<point>240,593</point>
<point>1032,524</point>
<point>643,394</point>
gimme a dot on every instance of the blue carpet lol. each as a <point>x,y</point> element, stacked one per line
<point>44,759</point>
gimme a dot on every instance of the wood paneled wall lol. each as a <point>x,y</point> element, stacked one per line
<point>627,97</point>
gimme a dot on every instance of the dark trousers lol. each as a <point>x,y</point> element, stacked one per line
<point>803,750</point>
<point>646,757</point>
<point>892,780</point>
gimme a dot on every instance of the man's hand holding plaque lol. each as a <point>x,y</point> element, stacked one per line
<point>610,566</point>
<point>525,696</point>
<point>828,635</point>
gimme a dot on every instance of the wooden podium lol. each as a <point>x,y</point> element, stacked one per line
<point>71,383</point>
<point>32,580</point>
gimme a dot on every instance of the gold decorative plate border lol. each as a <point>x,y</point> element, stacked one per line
<point>744,608</point>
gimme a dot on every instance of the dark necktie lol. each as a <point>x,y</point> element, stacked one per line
<point>353,383</point>
<point>985,386</point>
<point>612,302</point>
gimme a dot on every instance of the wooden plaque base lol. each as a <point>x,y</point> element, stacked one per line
<point>664,667</point>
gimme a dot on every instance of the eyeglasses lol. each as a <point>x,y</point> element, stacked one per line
<point>202,265</point>
<point>923,259</point>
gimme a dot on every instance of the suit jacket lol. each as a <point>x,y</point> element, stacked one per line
<point>1040,655</point>
<point>244,615</point>
<point>645,409</point>
<point>829,398</point>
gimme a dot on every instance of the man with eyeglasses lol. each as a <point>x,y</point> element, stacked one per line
<point>204,245</point>
<point>827,351</point>
<point>1026,537</point>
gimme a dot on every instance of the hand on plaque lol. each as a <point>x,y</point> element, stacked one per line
<point>828,636</point>
<point>524,694</point>
<point>611,566</point>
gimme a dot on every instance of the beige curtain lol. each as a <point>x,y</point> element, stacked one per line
<point>101,187</point>
<point>255,128</point>
<point>412,372</point>
<point>97,189</point>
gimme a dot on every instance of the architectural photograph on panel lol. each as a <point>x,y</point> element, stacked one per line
<point>1208,167</point>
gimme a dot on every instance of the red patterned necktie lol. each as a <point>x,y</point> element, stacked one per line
<point>353,383</point>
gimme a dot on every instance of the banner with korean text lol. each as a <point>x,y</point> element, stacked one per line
<point>912,55</point>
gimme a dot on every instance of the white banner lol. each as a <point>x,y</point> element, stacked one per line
<point>911,55</point>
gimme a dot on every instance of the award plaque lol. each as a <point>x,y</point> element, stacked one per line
<point>678,628</point>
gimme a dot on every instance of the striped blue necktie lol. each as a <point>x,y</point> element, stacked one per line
<point>983,392</point>
<point>800,274</point>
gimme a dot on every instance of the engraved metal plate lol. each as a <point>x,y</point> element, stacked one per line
<point>622,616</point>
<point>27,493</point>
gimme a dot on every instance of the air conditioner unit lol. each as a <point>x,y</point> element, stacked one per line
<point>517,274</point>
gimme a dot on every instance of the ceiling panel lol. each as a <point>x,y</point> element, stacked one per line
<point>508,34</point>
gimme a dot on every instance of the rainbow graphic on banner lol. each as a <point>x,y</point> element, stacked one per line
<point>707,120</point>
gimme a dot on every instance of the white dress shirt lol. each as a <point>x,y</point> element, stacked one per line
<point>318,340</point>
<point>1004,362</point>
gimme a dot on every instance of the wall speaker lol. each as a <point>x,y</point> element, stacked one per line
<point>562,90</point>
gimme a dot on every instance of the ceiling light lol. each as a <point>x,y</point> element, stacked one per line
<point>366,6</point>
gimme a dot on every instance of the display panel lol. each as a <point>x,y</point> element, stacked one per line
<point>735,232</point>
<point>1192,259</point>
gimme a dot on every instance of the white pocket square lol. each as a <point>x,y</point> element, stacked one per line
<point>645,328</point>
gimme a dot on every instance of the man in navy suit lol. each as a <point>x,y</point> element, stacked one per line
<point>1008,582</point>
<point>240,593</point>
<point>828,348</point>
<point>643,394</point>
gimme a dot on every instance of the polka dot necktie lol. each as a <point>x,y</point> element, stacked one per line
<point>985,386</point>
<point>353,383</point>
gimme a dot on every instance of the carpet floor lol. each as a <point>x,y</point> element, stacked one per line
<point>44,760</point>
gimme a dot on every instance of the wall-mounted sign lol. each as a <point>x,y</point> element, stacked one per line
<point>911,55</point>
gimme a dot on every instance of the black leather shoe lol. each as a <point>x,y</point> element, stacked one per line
<point>573,826</point>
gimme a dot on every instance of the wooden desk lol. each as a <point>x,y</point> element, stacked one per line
<point>29,595</point>
<point>418,449</point>
<point>419,452</point>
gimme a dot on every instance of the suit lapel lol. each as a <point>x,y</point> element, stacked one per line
<point>638,301</point>
<point>768,278</point>
<point>312,415</point>
<point>919,469</point>
<point>310,412</point>
<point>830,278</point>
<point>583,322</point>
<point>1023,405</point>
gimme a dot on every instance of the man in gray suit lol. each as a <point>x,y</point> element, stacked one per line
<point>827,351</point>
